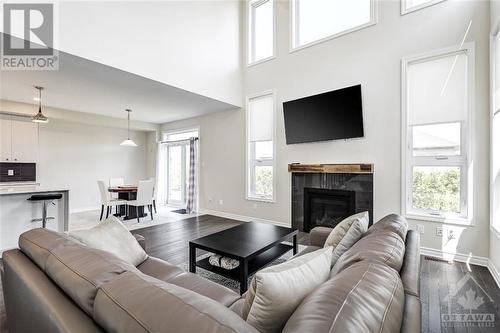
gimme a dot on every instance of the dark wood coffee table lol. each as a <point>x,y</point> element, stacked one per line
<point>253,244</point>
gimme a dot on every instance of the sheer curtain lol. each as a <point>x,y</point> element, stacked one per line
<point>191,190</point>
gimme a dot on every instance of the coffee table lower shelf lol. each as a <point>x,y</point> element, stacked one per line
<point>254,264</point>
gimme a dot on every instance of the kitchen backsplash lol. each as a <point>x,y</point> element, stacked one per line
<point>17,172</point>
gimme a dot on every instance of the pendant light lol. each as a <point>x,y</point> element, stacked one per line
<point>39,117</point>
<point>128,142</point>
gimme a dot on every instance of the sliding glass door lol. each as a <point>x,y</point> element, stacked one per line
<point>177,166</point>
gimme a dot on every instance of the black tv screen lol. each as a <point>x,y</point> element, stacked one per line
<point>332,115</point>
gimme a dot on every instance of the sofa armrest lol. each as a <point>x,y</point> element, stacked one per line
<point>141,240</point>
<point>318,236</point>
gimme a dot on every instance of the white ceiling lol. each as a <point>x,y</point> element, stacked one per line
<point>87,86</point>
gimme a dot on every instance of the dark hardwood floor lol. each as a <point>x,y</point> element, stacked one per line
<point>170,242</point>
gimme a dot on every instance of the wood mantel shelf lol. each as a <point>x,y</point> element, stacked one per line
<point>366,168</point>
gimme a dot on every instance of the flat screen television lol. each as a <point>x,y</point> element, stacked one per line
<point>332,115</point>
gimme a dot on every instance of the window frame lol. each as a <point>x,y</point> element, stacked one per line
<point>164,137</point>
<point>251,5</point>
<point>494,112</point>
<point>251,162</point>
<point>405,10</point>
<point>294,21</point>
<point>408,161</point>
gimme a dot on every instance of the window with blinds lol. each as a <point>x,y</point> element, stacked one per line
<point>260,147</point>
<point>436,112</point>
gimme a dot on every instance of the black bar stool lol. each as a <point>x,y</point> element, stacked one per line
<point>46,198</point>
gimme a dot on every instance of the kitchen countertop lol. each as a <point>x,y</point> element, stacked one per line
<point>26,189</point>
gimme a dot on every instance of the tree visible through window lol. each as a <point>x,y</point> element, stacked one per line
<point>260,151</point>
<point>437,109</point>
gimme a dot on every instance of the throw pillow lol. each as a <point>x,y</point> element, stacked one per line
<point>276,291</point>
<point>112,236</point>
<point>346,234</point>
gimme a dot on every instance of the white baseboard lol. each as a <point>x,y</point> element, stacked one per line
<point>494,272</point>
<point>475,260</point>
<point>241,217</point>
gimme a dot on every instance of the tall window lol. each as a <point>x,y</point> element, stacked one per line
<point>436,124</point>
<point>495,134</point>
<point>408,6</point>
<point>260,147</point>
<point>260,30</point>
<point>314,21</point>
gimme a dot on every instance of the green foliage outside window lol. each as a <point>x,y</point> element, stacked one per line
<point>264,181</point>
<point>436,188</point>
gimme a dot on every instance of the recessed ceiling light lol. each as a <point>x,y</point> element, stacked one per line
<point>36,99</point>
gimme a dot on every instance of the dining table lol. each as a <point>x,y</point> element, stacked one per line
<point>127,192</point>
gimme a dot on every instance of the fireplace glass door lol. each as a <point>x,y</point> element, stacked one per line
<point>323,207</point>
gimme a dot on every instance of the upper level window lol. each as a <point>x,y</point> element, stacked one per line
<point>260,147</point>
<point>260,30</point>
<point>314,21</point>
<point>436,128</point>
<point>408,6</point>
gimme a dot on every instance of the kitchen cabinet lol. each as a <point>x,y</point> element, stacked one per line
<point>18,140</point>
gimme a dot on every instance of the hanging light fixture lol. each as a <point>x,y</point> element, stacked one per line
<point>39,117</point>
<point>128,142</point>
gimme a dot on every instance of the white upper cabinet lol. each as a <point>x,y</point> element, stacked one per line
<point>18,140</point>
<point>5,139</point>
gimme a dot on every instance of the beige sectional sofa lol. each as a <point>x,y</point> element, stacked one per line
<point>54,284</point>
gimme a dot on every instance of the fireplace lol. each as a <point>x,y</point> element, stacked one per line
<point>326,207</point>
<point>350,184</point>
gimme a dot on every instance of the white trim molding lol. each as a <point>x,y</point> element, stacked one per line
<point>460,257</point>
<point>494,272</point>
<point>242,218</point>
<point>405,10</point>
<point>293,21</point>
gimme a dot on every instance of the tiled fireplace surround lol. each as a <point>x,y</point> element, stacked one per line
<point>357,178</point>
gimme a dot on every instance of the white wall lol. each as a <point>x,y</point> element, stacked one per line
<point>193,45</point>
<point>371,57</point>
<point>75,154</point>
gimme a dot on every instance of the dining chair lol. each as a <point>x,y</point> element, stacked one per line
<point>144,191</point>
<point>106,199</point>
<point>154,193</point>
<point>115,182</point>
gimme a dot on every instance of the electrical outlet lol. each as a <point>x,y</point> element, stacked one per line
<point>439,231</point>
<point>10,172</point>
<point>210,199</point>
<point>221,202</point>
<point>451,235</point>
<point>420,229</point>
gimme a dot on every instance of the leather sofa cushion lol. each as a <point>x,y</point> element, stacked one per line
<point>318,236</point>
<point>365,297</point>
<point>392,222</point>
<point>134,302</point>
<point>412,320</point>
<point>159,269</point>
<point>410,271</point>
<point>37,243</point>
<point>74,267</point>
<point>383,246</point>
<point>212,290</point>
